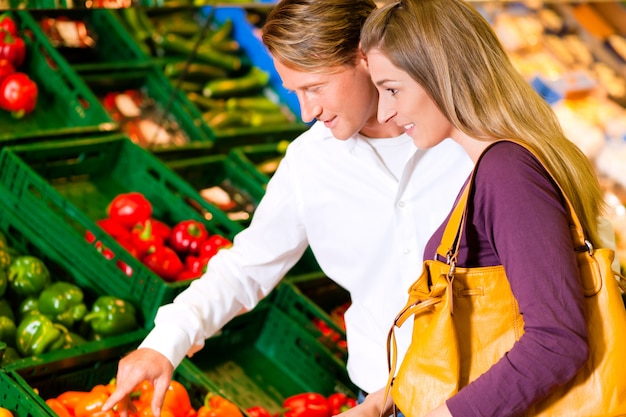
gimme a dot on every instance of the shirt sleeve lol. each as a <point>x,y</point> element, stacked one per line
<point>518,215</point>
<point>237,278</point>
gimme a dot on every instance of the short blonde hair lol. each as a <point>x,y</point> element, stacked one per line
<point>316,35</point>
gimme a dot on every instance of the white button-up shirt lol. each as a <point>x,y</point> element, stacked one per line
<point>366,207</point>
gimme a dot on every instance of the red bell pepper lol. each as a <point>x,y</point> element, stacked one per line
<point>340,402</point>
<point>164,262</point>
<point>18,94</point>
<point>308,404</point>
<point>187,236</point>
<point>13,48</point>
<point>144,239</point>
<point>114,228</point>
<point>159,228</point>
<point>7,24</point>
<point>212,245</point>
<point>6,68</point>
<point>128,209</point>
<point>258,411</point>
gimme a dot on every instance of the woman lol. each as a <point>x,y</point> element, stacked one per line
<point>441,72</point>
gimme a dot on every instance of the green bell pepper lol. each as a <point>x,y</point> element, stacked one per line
<point>28,275</point>
<point>3,282</point>
<point>73,339</point>
<point>62,302</point>
<point>7,330</point>
<point>9,355</point>
<point>27,306</point>
<point>6,310</point>
<point>110,316</point>
<point>5,257</point>
<point>37,334</point>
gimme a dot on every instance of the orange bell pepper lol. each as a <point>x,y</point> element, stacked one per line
<point>69,399</point>
<point>90,404</point>
<point>217,406</point>
<point>146,411</point>
<point>5,412</point>
<point>177,399</point>
<point>58,407</point>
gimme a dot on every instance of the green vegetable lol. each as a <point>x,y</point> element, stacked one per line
<point>5,309</point>
<point>253,81</point>
<point>28,276</point>
<point>5,256</point>
<point>9,355</point>
<point>7,330</point>
<point>27,306</point>
<point>37,334</point>
<point>110,315</point>
<point>3,282</point>
<point>256,103</point>
<point>62,302</point>
<point>176,43</point>
<point>195,70</point>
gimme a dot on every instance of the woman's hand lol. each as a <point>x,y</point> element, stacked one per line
<point>138,366</point>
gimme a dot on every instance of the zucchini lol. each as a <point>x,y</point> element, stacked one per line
<point>195,70</point>
<point>263,119</point>
<point>226,119</point>
<point>178,44</point>
<point>253,81</point>
<point>256,103</point>
<point>205,103</point>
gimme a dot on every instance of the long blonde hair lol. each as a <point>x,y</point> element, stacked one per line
<point>453,53</point>
<point>316,36</point>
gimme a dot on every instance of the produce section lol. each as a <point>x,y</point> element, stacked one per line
<point>140,141</point>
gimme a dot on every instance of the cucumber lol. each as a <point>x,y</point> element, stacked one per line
<point>226,119</point>
<point>256,103</point>
<point>222,33</point>
<point>253,81</point>
<point>205,103</point>
<point>195,70</point>
<point>178,44</point>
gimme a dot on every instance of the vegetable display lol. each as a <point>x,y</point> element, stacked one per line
<point>220,80</point>
<point>175,252</point>
<point>18,92</point>
<point>40,313</point>
<point>177,402</point>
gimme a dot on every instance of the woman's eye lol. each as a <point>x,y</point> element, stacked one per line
<point>392,91</point>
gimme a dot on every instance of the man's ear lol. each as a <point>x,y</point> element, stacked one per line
<point>360,56</point>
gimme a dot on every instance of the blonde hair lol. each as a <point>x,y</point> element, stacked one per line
<point>453,53</point>
<point>316,35</point>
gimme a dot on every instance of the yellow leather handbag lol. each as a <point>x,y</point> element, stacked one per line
<point>461,304</point>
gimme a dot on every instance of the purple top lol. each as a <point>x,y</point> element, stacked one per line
<point>517,218</point>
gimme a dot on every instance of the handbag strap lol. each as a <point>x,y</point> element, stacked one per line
<point>450,241</point>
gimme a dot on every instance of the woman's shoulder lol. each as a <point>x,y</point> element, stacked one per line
<point>509,159</point>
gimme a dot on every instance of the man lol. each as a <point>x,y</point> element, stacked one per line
<point>357,191</point>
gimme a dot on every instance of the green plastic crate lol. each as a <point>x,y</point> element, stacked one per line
<point>205,171</point>
<point>21,237</point>
<point>17,399</point>
<point>114,47</point>
<point>173,105</point>
<point>264,356</point>
<point>86,369</point>
<point>63,187</point>
<point>260,160</point>
<point>218,170</point>
<point>65,105</point>
<point>312,297</point>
